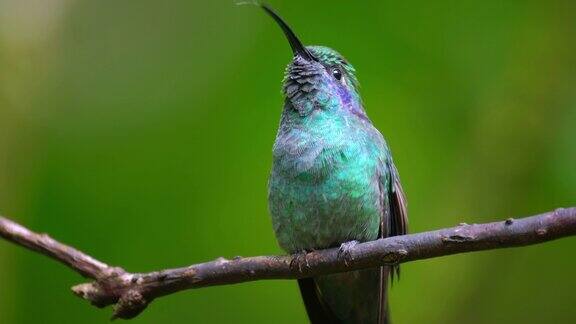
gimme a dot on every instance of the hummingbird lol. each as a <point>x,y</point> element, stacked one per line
<point>333,182</point>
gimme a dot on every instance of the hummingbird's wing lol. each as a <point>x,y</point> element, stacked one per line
<point>394,222</point>
<point>398,220</point>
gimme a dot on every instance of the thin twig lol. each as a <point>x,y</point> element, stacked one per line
<point>132,292</point>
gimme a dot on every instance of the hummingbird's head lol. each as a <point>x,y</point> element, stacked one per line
<point>318,77</point>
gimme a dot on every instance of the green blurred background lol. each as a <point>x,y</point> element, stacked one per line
<point>141,132</point>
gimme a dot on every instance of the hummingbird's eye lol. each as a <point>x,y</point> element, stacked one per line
<point>336,73</point>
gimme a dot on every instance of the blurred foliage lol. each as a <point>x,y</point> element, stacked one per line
<point>141,132</point>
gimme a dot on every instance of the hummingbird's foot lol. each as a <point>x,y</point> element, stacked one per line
<point>299,260</point>
<point>345,253</point>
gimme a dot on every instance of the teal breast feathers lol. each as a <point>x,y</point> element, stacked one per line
<point>324,187</point>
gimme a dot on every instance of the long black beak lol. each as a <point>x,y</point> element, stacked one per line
<point>297,48</point>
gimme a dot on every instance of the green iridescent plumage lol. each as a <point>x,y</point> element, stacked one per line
<point>332,181</point>
<point>324,182</point>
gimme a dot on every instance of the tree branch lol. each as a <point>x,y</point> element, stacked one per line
<point>132,292</point>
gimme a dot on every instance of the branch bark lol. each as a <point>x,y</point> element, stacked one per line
<point>132,292</point>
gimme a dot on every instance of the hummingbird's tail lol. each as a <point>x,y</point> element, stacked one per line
<point>318,311</point>
<point>358,297</point>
